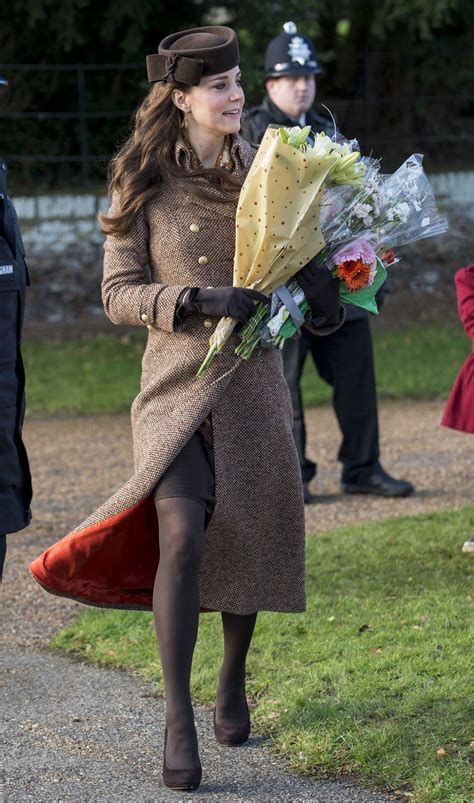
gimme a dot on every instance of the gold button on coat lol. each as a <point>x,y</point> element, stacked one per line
<point>149,326</point>
<point>145,318</point>
<point>203,260</point>
<point>207,323</point>
<point>194,228</point>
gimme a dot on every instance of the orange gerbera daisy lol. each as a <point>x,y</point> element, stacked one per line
<point>354,272</point>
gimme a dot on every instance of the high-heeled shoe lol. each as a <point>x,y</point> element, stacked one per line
<point>230,733</point>
<point>183,780</point>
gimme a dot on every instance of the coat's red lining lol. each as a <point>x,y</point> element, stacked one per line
<point>110,563</point>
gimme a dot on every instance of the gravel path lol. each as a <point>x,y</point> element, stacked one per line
<point>68,723</point>
<point>76,733</point>
<point>413,446</point>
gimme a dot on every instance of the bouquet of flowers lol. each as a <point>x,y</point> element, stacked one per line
<point>278,214</point>
<point>306,199</point>
<point>361,225</point>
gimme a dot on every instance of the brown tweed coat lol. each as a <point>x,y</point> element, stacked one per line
<point>254,544</point>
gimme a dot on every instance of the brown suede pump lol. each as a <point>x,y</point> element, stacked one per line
<point>182,780</point>
<point>231,734</point>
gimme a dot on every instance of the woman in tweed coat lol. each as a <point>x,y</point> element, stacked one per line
<point>213,517</point>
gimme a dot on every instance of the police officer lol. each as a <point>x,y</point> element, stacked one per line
<point>344,359</point>
<point>15,480</point>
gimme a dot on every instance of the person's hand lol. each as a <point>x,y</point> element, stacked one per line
<point>232,302</point>
<point>321,290</point>
<point>380,295</point>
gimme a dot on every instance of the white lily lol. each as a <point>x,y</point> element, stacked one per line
<point>322,146</point>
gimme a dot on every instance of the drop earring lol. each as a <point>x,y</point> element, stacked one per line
<point>184,121</point>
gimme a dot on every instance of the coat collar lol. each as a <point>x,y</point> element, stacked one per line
<point>241,153</point>
<point>279,117</point>
<point>315,120</point>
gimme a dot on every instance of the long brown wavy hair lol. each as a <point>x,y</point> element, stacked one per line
<point>147,159</point>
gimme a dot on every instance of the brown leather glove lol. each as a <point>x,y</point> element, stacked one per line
<point>322,292</point>
<point>234,302</point>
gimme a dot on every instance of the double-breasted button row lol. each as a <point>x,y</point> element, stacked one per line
<point>202,260</point>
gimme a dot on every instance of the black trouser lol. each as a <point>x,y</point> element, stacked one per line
<point>345,361</point>
<point>3,552</point>
<point>15,480</point>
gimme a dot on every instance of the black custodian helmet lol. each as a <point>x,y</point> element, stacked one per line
<point>290,53</point>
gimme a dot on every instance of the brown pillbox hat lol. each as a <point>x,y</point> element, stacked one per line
<point>187,56</point>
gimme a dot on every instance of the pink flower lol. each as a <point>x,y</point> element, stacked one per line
<point>356,264</point>
<point>358,249</point>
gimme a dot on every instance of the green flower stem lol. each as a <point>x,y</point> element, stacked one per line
<point>251,325</point>
<point>250,334</point>
<point>207,362</point>
<point>245,350</point>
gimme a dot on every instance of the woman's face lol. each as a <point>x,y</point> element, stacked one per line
<point>216,104</point>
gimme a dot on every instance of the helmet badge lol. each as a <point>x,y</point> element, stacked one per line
<point>299,51</point>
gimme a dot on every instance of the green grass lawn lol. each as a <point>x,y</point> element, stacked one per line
<point>94,374</point>
<point>372,682</point>
<point>100,374</point>
<point>418,362</point>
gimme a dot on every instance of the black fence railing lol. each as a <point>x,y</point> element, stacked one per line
<point>89,144</point>
<point>84,158</point>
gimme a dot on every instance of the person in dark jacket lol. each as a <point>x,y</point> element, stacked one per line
<point>15,480</point>
<point>344,359</point>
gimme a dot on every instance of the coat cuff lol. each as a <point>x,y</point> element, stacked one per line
<point>318,324</point>
<point>158,307</point>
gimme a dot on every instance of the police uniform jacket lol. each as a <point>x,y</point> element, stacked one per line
<point>15,481</point>
<point>257,120</point>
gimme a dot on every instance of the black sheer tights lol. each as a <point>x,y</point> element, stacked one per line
<point>176,611</point>
<point>231,703</point>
